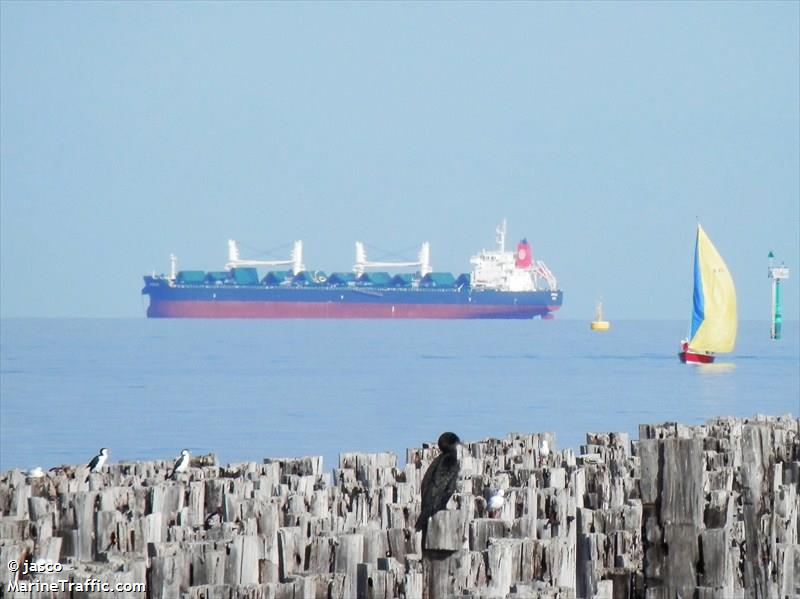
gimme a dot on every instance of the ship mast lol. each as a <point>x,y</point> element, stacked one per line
<point>501,236</point>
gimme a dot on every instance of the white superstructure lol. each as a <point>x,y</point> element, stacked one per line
<point>498,269</point>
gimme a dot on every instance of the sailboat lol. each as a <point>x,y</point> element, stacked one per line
<point>598,324</point>
<point>712,329</point>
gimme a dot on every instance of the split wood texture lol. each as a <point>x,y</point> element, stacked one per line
<point>707,511</point>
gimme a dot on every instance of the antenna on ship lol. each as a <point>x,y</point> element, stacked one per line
<point>173,266</point>
<point>501,236</point>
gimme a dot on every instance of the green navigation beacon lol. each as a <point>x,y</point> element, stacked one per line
<point>777,274</point>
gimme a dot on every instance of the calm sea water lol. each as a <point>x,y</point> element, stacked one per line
<point>254,389</point>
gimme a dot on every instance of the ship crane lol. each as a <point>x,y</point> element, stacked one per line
<point>362,263</point>
<point>296,260</point>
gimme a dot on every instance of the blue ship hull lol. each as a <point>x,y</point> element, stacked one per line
<point>170,300</point>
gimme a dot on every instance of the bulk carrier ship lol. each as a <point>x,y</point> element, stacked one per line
<point>502,284</point>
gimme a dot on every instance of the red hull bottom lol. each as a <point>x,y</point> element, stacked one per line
<point>235,309</point>
<point>688,357</point>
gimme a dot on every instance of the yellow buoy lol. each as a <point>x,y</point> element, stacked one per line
<point>598,324</point>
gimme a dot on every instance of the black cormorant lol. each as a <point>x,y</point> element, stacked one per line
<point>439,482</point>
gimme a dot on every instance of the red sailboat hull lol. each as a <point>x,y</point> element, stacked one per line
<point>687,356</point>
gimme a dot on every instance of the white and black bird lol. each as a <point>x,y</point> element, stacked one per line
<point>98,461</point>
<point>544,451</point>
<point>496,502</point>
<point>181,464</point>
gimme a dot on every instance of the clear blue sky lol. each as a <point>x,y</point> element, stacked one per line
<point>600,130</point>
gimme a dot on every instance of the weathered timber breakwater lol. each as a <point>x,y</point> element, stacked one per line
<point>686,511</point>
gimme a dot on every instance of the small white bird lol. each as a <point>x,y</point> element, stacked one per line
<point>181,464</point>
<point>35,472</point>
<point>544,451</point>
<point>99,460</point>
<point>495,504</point>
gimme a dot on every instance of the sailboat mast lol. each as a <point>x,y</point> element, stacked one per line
<point>698,312</point>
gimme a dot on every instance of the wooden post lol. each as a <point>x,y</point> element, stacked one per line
<point>706,511</point>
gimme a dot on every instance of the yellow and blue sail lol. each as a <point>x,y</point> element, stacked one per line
<point>714,319</point>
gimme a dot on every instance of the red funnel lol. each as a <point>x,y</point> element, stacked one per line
<point>524,254</point>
